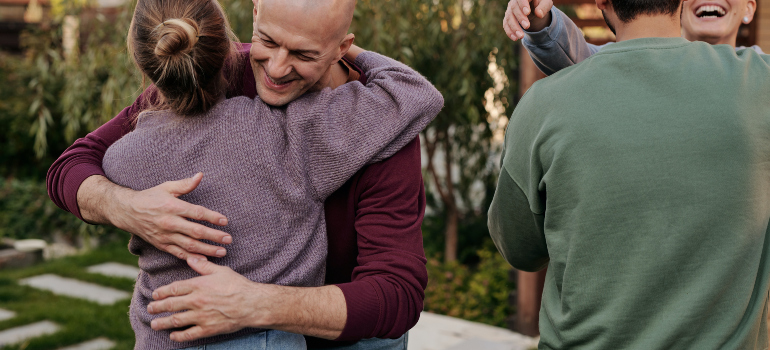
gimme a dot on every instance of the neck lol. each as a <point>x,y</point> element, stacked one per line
<point>339,75</point>
<point>656,26</point>
<point>334,77</point>
<point>729,40</point>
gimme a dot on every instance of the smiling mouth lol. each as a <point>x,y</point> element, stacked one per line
<point>278,83</point>
<point>710,11</point>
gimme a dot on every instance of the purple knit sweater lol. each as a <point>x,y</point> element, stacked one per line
<point>268,170</point>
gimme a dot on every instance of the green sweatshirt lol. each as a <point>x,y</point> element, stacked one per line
<point>641,178</point>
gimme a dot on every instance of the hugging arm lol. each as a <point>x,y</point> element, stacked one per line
<point>77,183</point>
<point>384,298</point>
<point>386,295</point>
<point>357,124</point>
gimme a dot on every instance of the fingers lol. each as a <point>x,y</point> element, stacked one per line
<point>197,231</point>
<point>184,186</point>
<point>520,12</point>
<point>175,289</point>
<point>202,266</point>
<point>177,320</point>
<point>178,252</point>
<point>190,334</point>
<point>543,8</point>
<point>511,24</point>
<point>193,246</point>
<point>197,212</point>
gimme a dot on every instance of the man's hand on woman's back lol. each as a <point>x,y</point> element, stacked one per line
<point>156,215</point>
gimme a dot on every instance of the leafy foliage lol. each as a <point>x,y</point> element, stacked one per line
<point>477,294</point>
<point>452,43</point>
<point>26,212</point>
<point>51,99</point>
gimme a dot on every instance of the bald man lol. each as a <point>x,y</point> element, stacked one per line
<point>376,272</point>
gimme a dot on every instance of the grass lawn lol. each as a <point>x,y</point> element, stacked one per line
<point>80,320</point>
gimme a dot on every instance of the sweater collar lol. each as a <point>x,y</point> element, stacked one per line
<point>644,43</point>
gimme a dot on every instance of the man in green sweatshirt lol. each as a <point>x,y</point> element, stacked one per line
<point>641,178</point>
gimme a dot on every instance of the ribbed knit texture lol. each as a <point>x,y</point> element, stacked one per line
<point>268,170</point>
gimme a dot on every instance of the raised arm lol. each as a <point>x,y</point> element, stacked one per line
<point>554,42</point>
<point>345,128</point>
<point>559,45</point>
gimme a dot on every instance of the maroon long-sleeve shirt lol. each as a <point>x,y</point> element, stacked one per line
<point>375,255</point>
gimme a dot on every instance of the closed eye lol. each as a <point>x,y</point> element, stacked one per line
<point>305,58</point>
<point>268,43</point>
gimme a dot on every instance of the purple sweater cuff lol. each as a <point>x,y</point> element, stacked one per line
<point>364,306</point>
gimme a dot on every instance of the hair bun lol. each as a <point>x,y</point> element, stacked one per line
<point>176,36</point>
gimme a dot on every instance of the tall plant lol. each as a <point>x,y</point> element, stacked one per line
<point>454,43</point>
<point>71,96</point>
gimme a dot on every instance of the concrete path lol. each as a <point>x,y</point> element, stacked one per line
<point>114,269</point>
<point>20,334</point>
<point>432,332</point>
<point>6,315</point>
<point>438,332</point>
<point>76,289</point>
<point>96,344</point>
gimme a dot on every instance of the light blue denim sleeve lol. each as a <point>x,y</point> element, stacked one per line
<point>755,48</point>
<point>559,45</point>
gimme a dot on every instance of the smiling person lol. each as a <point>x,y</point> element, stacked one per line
<point>640,177</point>
<point>555,42</point>
<point>286,161</point>
<point>375,266</point>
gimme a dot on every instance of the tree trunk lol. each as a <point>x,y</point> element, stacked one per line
<point>450,203</point>
<point>445,189</point>
<point>450,247</point>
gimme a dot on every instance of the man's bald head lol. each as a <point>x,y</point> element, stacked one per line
<point>295,45</point>
<point>331,18</point>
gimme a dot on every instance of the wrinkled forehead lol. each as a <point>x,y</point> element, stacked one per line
<point>308,21</point>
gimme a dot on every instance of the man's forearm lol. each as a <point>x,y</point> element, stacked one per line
<point>95,195</point>
<point>319,311</point>
<point>222,301</point>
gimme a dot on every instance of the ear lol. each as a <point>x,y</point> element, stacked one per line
<point>345,46</point>
<point>602,4</point>
<point>751,7</point>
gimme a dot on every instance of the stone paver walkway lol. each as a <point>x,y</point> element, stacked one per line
<point>438,332</point>
<point>20,334</point>
<point>76,289</point>
<point>6,315</point>
<point>96,344</point>
<point>115,270</point>
<point>433,332</point>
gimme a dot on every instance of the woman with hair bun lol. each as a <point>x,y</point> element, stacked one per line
<point>267,169</point>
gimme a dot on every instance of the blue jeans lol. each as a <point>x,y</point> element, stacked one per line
<point>377,344</point>
<point>267,340</point>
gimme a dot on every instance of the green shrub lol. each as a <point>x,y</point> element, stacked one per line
<point>478,294</point>
<point>27,212</point>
